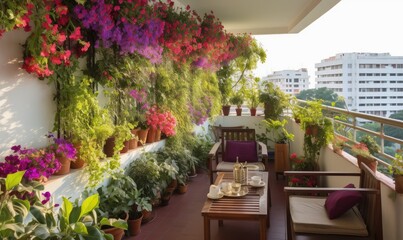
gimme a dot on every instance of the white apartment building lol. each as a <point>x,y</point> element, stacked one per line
<point>290,81</point>
<point>371,83</point>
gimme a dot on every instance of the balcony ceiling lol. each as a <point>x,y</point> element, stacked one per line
<point>263,16</point>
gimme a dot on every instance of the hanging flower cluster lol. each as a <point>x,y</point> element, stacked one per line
<point>38,163</point>
<point>164,121</point>
<point>46,46</point>
<point>16,14</point>
<point>200,113</point>
<point>146,27</point>
<point>181,31</point>
<point>126,23</point>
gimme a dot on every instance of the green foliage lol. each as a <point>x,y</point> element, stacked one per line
<point>275,131</point>
<point>396,167</point>
<point>224,75</point>
<point>237,100</point>
<point>146,173</point>
<point>329,97</point>
<point>314,143</point>
<point>274,99</point>
<point>252,94</point>
<point>182,158</point>
<point>117,197</point>
<point>80,118</point>
<point>371,144</point>
<point>72,221</point>
<point>14,209</point>
<point>200,150</point>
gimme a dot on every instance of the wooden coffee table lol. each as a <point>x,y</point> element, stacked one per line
<point>252,207</point>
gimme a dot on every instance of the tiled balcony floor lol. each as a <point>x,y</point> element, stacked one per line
<point>182,219</point>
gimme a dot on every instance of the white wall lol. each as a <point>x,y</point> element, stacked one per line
<point>26,105</point>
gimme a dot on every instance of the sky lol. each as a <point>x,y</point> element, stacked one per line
<point>350,26</point>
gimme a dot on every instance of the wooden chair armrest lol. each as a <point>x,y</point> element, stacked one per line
<point>305,190</point>
<point>320,173</point>
<point>214,149</point>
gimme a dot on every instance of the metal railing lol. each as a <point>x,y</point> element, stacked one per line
<point>353,125</point>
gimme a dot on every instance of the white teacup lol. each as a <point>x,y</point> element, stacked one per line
<point>256,180</point>
<point>226,187</point>
<point>214,191</point>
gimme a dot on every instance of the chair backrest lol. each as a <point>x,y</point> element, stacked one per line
<point>370,207</point>
<point>217,130</point>
<point>237,134</point>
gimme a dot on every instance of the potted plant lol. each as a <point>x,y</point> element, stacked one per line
<point>275,101</point>
<point>64,151</point>
<point>116,199</point>
<point>142,204</point>
<point>364,150</point>
<point>237,100</point>
<point>145,172</point>
<point>396,169</point>
<point>225,86</point>
<point>169,171</point>
<point>252,96</point>
<point>277,133</point>
<point>119,141</point>
<point>338,143</point>
<point>299,163</point>
<point>39,164</point>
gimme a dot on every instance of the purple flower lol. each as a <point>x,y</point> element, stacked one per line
<point>47,197</point>
<point>16,148</point>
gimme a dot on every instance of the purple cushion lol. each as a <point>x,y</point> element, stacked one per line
<point>244,150</point>
<point>339,202</point>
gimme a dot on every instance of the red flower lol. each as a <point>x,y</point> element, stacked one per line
<point>76,34</point>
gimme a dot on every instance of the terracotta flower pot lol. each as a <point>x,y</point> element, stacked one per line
<point>238,111</point>
<point>78,163</point>
<point>371,163</point>
<point>65,165</point>
<point>133,143</point>
<point>182,188</point>
<point>142,133</point>
<point>399,183</point>
<point>135,225</point>
<point>226,109</point>
<point>125,149</point>
<point>152,133</point>
<point>253,111</point>
<point>108,147</point>
<point>312,130</point>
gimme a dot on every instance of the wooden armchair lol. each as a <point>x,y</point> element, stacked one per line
<point>306,214</point>
<point>216,130</point>
<point>239,143</point>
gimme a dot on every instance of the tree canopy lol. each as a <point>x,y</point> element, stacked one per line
<point>329,97</point>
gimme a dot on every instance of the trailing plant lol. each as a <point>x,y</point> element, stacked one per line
<point>314,143</point>
<point>83,122</point>
<point>274,99</point>
<point>275,131</point>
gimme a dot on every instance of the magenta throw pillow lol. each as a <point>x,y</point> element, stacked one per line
<point>244,150</point>
<point>339,202</point>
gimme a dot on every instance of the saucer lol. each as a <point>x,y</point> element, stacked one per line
<point>220,195</point>
<point>261,184</point>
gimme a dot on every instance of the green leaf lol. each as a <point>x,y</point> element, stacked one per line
<point>82,2</point>
<point>94,234</point>
<point>13,179</point>
<point>67,208</point>
<point>14,227</point>
<point>118,223</point>
<point>38,215</point>
<point>80,228</point>
<point>74,215</point>
<point>42,232</point>
<point>21,206</point>
<point>89,204</point>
